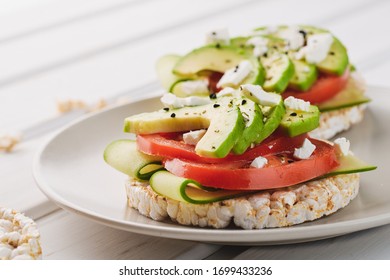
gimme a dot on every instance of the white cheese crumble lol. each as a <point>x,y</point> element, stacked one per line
<point>193,137</point>
<point>195,87</point>
<point>259,162</point>
<point>259,44</point>
<point>227,91</point>
<point>342,146</point>
<point>218,36</point>
<point>293,37</point>
<point>257,94</point>
<point>317,48</point>
<point>305,151</point>
<point>171,100</point>
<point>234,76</point>
<point>297,104</point>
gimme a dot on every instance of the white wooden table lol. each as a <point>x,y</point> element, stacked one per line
<point>93,49</point>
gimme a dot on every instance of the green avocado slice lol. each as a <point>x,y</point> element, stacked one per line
<point>304,76</point>
<point>298,122</point>
<point>219,59</point>
<point>272,120</point>
<point>278,71</point>
<point>223,121</point>
<point>253,125</point>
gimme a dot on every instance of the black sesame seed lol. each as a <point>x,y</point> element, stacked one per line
<point>331,53</point>
<point>303,32</point>
<point>166,109</point>
<point>243,102</point>
<point>213,147</point>
<point>265,54</point>
<point>213,96</point>
<point>216,105</point>
<point>290,161</point>
<point>173,115</point>
<point>293,114</point>
<point>218,45</point>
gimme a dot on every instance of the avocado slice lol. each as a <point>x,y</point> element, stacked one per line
<point>253,118</point>
<point>223,121</point>
<point>336,62</point>
<point>224,131</point>
<point>219,59</point>
<point>278,71</point>
<point>298,122</point>
<point>305,75</point>
<point>273,117</point>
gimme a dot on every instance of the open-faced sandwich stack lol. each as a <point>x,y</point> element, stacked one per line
<point>243,156</point>
<point>305,62</point>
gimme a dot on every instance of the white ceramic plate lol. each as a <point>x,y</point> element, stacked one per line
<point>70,170</point>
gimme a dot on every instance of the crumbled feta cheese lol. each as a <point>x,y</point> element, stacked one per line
<point>259,162</point>
<point>193,137</point>
<point>257,41</point>
<point>297,104</point>
<point>196,101</point>
<point>195,87</point>
<point>305,151</point>
<point>218,36</point>
<point>306,69</point>
<point>317,48</point>
<point>342,146</point>
<point>171,100</point>
<point>227,91</point>
<point>259,44</point>
<point>260,50</point>
<point>257,94</point>
<point>294,38</point>
<point>235,75</point>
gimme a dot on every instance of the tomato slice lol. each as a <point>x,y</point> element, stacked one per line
<point>277,173</point>
<point>213,80</point>
<point>326,87</point>
<point>171,146</point>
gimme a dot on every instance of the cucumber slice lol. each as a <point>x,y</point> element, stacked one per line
<point>352,95</point>
<point>350,164</point>
<point>298,122</point>
<point>181,189</point>
<point>278,71</point>
<point>124,156</point>
<point>164,67</point>
<point>304,76</point>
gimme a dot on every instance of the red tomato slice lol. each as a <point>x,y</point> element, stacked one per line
<point>276,174</point>
<point>323,89</point>
<point>171,146</point>
<point>213,80</point>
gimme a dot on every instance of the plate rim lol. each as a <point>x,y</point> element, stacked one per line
<point>269,236</point>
